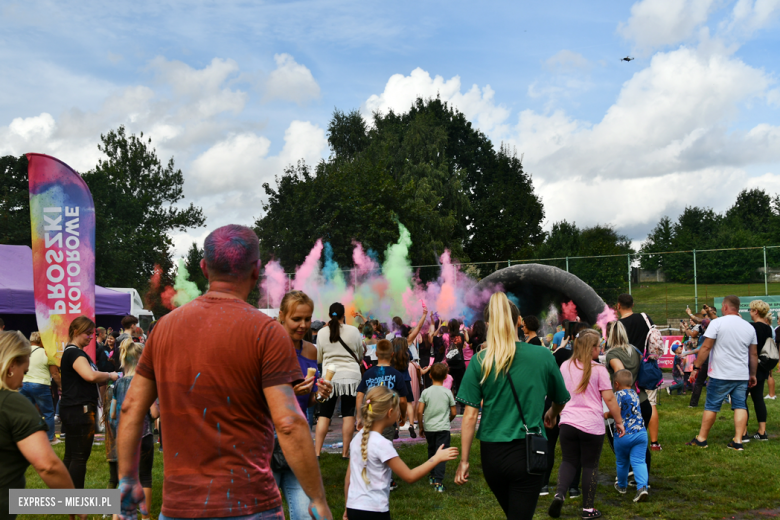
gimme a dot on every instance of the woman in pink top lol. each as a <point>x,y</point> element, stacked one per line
<point>582,421</point>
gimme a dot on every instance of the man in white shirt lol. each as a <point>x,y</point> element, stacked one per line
<point>730,344</point>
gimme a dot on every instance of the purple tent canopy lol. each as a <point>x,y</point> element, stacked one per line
<point>16,286</point>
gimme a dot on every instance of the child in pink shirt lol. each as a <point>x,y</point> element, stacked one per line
<point>582,421</point>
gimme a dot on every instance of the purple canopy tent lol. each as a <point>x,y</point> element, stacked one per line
<point>17,300</point>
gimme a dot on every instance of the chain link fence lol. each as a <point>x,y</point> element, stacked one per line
<point>662,283</point>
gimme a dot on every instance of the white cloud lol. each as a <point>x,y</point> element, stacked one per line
<point>657,23</point>
<point>773,98</point>
<point>291,81</point>
<point>189,113</point>
<point>632,204</point>
<point>203,89</point>
<point>669,127</point>
<point>41,126</point>
<point>566,61</point>
<point>670,117</point>
<point>241,162</point>
<point>751,15</point>
<point>477,104</point>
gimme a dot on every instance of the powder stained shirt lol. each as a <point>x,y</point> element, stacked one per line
<point>211,360</point>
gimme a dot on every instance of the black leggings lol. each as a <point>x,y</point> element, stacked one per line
<point>701,377</point>
<point>646,409</point>
<point>79,428</point>
<point>757,394</point>
<point>552,440</point>
<point>581,448</point>
<point>147,461</point>
<point>505,470</point>
<point>113,474</point>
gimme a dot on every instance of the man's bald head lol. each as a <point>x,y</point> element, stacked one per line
<point>231,251</point>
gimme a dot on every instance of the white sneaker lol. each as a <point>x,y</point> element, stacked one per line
<point>772,397</point>
<point>55,441</point>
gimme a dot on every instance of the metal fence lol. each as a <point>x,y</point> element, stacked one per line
<point>685,278</point>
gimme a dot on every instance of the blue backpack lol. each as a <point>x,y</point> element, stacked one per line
<point>650,376</point>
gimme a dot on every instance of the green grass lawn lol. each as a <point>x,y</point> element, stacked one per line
<point>662,301</point>
<point>686,482</point>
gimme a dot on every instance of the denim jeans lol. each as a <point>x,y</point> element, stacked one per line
<point>297,500</point>
<point>271,514</point>
<point>40,395</point>
<point>678,386</point>
<point>630,451</point>
<point>719,389</point>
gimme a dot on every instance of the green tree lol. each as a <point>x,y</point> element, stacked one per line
<point>192,261</point>
<point>135,197</point>
<point>427,168</point>
<point>15,226</point>
<point>607,276</point>
<point>750,222</point>
<point>508,216</point>
<point>661,238</point>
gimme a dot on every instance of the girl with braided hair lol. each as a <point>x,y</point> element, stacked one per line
<point>373,459</point>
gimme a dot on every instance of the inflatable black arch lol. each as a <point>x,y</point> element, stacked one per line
<point>538,286</point>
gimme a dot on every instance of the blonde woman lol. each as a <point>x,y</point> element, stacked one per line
<point>37,383</point>
<point>129,355</point>
<point>533,372</point>
<point>23,439</point>
<point>759,313</point>
<point>295,313</point>
<point>622,355</point>
<point>78,406</point>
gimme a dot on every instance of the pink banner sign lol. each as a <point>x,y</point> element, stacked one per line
<point>667,359</point>
<point>62,216</point>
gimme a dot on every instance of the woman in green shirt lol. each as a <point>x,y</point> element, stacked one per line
<point>534,373</point>
<point>23,439</point>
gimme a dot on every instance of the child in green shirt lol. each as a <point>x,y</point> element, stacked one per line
<point>436,410</point>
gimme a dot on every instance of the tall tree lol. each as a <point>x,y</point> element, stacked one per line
<point>192,261</point>
<point>508,215</point>
<point>660,239</point>
<point>607,276</point>
<point>427,168</point>
<point>14,202</point>
<point>135,197</point>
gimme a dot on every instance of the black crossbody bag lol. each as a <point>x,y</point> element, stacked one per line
<point>360,365</point>
<point>535,443</point>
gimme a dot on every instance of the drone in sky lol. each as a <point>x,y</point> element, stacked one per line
<point>626,59</point>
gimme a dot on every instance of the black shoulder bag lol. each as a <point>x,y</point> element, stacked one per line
<point>535,443</point>
<point>360,365</point>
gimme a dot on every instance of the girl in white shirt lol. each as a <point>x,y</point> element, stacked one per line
<point>373,459</point>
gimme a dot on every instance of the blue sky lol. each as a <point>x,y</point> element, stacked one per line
<point>237,91</point>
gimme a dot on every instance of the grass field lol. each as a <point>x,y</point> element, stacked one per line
<point>685,482</point>
<point>663,301</point>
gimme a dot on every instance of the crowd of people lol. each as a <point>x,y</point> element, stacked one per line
<point>247,402</point>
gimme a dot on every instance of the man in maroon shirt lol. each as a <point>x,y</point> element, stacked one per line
<point>223,373</point>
